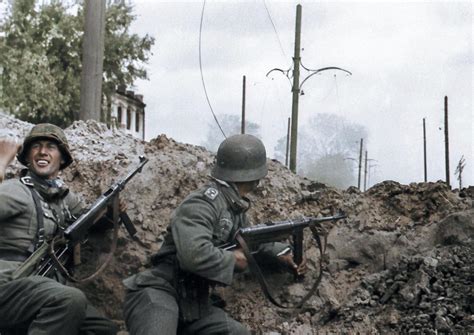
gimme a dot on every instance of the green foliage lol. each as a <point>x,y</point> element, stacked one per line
<point>231,125</point>
<point>41,48</point>
<point>327,145</point>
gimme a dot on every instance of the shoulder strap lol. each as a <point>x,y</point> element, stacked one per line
<point>39,239</point>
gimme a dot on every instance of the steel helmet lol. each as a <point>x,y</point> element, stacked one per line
<point>240,158</point>
<point>46,131</point>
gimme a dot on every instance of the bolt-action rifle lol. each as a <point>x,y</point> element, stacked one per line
<point>250,238</point>
<point>47,259</point>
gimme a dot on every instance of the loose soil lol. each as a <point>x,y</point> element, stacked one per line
<point>401,262</point>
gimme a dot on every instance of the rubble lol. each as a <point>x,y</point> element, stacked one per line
<point>400,263</point>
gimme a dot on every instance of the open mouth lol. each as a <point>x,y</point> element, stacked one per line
<point>42,163</point>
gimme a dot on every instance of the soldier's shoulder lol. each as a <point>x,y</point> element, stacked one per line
<point>14,188</point>
<point>209,192</point>
<point>13,184</point>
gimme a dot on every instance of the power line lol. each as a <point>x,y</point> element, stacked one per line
<point>200,68</point>
<point>337,94</point>
<point>274,29</point>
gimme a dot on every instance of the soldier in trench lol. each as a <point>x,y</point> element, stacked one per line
<point>33,209</point>
<point>173,297</point>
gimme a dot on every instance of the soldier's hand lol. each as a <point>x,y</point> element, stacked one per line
<point>8,150</point>
<point>122,206</point>
<point>241,262</point>
<point>287,261</point>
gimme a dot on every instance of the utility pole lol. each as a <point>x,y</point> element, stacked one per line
<point>424,151</point>
<point>296,86</point>
<point>446,140</point>
<point>459,169</point>
<point>295,89</point>
<point>360,162</point>
<point>92,60</point>
<point>243,107</point>
<point>287,142</point>
<point>368,173</point>
<point>365,172</point>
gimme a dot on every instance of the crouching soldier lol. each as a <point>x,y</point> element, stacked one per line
<point>173,296</point>
<point>34,209</point>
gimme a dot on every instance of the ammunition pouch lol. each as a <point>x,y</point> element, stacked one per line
<point>193,296</point>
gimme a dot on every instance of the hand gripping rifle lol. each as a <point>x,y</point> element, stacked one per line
<point>47,259</point>
<point>250,238</point>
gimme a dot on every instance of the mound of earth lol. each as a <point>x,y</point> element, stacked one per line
<point>401,262</point>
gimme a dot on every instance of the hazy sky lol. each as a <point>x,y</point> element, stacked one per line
<point>405,57</point>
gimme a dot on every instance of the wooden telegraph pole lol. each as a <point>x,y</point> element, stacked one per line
<point>288,141</point>
<point>92,60</point>
<point>360,162</point>
<point>365,171</point>
<point>446,139</point>
<point>295,89</point>
<point>242,128</point>
<point>424,151</point>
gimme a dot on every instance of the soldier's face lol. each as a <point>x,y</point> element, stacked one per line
<point>44,158</point>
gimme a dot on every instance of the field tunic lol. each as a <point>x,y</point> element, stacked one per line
<point>18,218</point>
<point>35,304</point>
<point>175,292</point>
<point>206,219</point>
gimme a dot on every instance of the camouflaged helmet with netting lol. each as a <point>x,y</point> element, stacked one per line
<point>240,158</point>
<point>46,131</point>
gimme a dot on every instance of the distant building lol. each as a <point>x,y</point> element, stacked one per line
<point>127,112</point>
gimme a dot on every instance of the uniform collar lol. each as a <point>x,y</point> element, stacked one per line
<point>49,190</point>
<point>237,203</point>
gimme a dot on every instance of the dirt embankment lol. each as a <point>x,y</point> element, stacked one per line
<point>402,261</point>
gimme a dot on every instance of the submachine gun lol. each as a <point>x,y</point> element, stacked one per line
<point>250,238</point>
<point>54,255</point>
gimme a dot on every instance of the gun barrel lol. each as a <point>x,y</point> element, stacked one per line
<point>79,228</point>
<point>275,227</point>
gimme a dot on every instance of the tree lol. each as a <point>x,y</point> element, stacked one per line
<point>231,125</point>
<point>325,145</point>
<point>41,48</point>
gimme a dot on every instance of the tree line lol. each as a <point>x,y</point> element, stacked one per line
<point>328,146</point>
<point>41,48</point>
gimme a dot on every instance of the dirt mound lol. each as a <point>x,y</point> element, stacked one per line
<point>400,262</point>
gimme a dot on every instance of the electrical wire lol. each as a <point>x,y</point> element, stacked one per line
<point>200,68</point>
<point>274,29</point>
<point>337,94</point>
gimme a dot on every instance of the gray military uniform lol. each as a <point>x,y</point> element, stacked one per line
<point>38,305</point>
<point>173,296</point>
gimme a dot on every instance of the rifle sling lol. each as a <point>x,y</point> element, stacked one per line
<point>39,238</point>
<point>60,266</point>
<point>254,267</point>
<point>257,272</point>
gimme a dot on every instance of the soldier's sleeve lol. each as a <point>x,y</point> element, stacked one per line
<point>75,204</point>
<point>192,229</point>
<point>14,199</point>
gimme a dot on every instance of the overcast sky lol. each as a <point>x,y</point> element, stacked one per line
<point>405,57</point>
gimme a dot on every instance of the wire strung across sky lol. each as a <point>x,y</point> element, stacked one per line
<point>274,29</point>
<point>200,68</point>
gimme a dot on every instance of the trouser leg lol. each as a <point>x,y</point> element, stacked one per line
<point>95,324</point>
<point>150,311</point>
<point>216,322</point>
<point>41,305</point>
